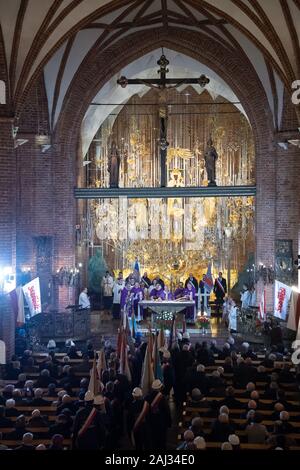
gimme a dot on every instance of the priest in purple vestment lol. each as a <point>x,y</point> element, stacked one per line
<point>125,296</point>
<point>157,293</point>
<point>190,294</point>
<point>179,291</point>
<point>168,294</point>
<point>138,295</point>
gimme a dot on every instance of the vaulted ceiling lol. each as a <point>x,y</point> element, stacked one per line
<point>54,37</point>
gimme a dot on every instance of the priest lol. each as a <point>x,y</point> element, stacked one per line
<point>179,291</point>
<point>190,294</point>
<point>125,296</point>
<point>193,281</point>
<point>157,292</point>
<point>138,295</point>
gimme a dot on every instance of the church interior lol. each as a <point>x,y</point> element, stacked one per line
<point>149,225</point>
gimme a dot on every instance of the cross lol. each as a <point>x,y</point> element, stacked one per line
<point>206,296</point>
<point>162,84</point>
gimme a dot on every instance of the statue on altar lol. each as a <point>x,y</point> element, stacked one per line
<point>210,158</point>
<point>114,166</point>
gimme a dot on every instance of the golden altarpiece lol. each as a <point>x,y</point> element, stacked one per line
<point>173,236</point>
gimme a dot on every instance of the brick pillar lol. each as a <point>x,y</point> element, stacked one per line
<point>7,226</point>
<point>265,231</point>
<point>287,195</point>
<point>7,325</point>
<point>64,175</point>
<point>7,195</point>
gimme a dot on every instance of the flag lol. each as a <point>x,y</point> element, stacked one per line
<point>2,352</point>
<point>94,385</point>
<point>294,312</point>
<point>281,301</point>
<point>183,325</point>
<point>137,269</point>
<point>173,334</point>
<point>32,295</point>
<point>101,363</point>
<point>208,279</point>
<point>17,301</point>
<point>133,325</point>
<point>157,370</point>
<point>119,341</point>
<point>262,309</point>
<point>161,338</point>
<point>124,365</point>
<point>150,342</point>
<point>147,372</point>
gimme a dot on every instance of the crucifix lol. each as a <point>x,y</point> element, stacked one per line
<point>205,296</point>
<point>162,85</point>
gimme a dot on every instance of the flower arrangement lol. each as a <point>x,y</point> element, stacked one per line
<point>203,322</point>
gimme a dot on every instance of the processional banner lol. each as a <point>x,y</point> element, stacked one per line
<point>281,301</point>
<point>32,295</point>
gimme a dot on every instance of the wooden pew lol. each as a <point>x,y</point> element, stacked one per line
<point>12,443</point>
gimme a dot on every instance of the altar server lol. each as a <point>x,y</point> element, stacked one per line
<point>84,300</point>
<point>232,318</point>
<point>107,286</point>
<point>117,290</point>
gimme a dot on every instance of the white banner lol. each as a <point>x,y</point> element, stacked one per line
<point>281,300</point>
<point>33,296</point>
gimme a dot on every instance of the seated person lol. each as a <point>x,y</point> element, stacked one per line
<point>62,426</point>
<point>221,429</point>
<point>19,431</point>
<point>38,400</point>
<point>256,432</point>
<point>37,421</point>
<point>4,421</point>
<point>11,410</point>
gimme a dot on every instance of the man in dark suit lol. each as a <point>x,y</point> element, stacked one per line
<point>220,290</point>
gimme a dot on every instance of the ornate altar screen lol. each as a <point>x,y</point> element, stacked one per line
<point>173,236</point>
<point>192,120</point>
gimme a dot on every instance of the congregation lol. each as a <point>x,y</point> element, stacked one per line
<point>226,397</point>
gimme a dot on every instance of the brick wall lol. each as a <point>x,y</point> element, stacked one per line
<point>7,194</point>
<point>7,325</point>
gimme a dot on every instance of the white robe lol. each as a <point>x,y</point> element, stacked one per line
<point>246,299</point>
<point>232,319</point>
<point>84,300</point>
<point>117,289</point>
